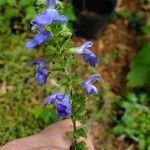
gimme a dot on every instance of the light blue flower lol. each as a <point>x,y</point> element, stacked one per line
<point>50,14</point>
<point>40,37</point>
<point>42,70</point>
<point>90,89</point>
<point>61,102</point>
<point>88,55</point>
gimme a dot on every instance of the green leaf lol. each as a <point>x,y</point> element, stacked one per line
<point>81,117</point>
<point>44,114</point>
<point>68,11</point>
<point>138,76</point>
<point>81,146</point>
<point>119,129</point>
<point>2,2</point>
<point>70,134</point>
<point>10,12</point>
<point>123,12</point>
<point>80,111</point>
<point>132,97</point>
<point>143,98</point>
<point>143,57</point>
<point>30,12</point>
<point>11,2</point>
<point>39,2</point>
<point>140,68</point>
<point>81,131</point>
<point>142,143</point>
<point>26,2</point>
<point>146,29</point>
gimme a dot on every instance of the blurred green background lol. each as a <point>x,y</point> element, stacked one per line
<point>21,99</point>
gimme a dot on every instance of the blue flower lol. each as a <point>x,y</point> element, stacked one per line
<point>61,102</point>
<point>42,71</point>
<point>88,55</point>
<point>90,89</point>
<point>50,14</point>
<point>41,37</point>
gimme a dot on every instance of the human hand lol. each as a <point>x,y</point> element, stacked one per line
<point>51,138</point>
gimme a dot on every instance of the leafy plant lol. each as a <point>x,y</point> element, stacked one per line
<point>57,52</point>
<point>140,70</point>
<point>136,22</point>
<point>135,120</point>
<point>21,113</point>
<point>14,15</point>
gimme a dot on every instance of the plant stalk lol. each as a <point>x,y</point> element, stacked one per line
<point>74,128</point>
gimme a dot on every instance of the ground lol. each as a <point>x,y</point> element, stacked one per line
<point>115,48</point>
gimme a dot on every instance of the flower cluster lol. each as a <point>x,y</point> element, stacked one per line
<point>47,17</point>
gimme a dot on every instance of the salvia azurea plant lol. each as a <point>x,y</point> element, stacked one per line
<point>53,40</point>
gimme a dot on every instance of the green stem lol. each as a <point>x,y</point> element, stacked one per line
<point>74,128</point>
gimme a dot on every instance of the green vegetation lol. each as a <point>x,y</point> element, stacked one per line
<point>135,121</point>
<point>21,110</point>
<point>140,68</point>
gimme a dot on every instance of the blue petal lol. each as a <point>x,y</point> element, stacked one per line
<point>42,37</point>
<point>48,16</point>
<point>42,70</point>
<point>93,77</point>
<point>91,89</point>
<point>44,18</point>
<point>38,39</point>
<point>87,44</point>
<point>41,78</point>
<point>51,3</point>
<point>60,96</point>
<point>61,102</point>
<point>63,107</point>
<point>89,57</point>
<point>31,43</point>
<point>49,99</point>
<point>41,62</point>
<point>62,110</point>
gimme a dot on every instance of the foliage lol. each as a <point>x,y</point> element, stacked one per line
<point>123,12</point>
<point>14,15</point>
<point>140,70</point>
<point>21,112</point>
<point>136,22</point>
<point>135,120</point>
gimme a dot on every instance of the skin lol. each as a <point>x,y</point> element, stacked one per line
<point>51,138</point>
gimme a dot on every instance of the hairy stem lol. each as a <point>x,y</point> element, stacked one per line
<point>74,128</point>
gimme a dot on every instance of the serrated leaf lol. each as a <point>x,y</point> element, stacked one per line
<point>81,146</point>
<point>70,134</point>
<point>81,117</point>
<point>81,131</point>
